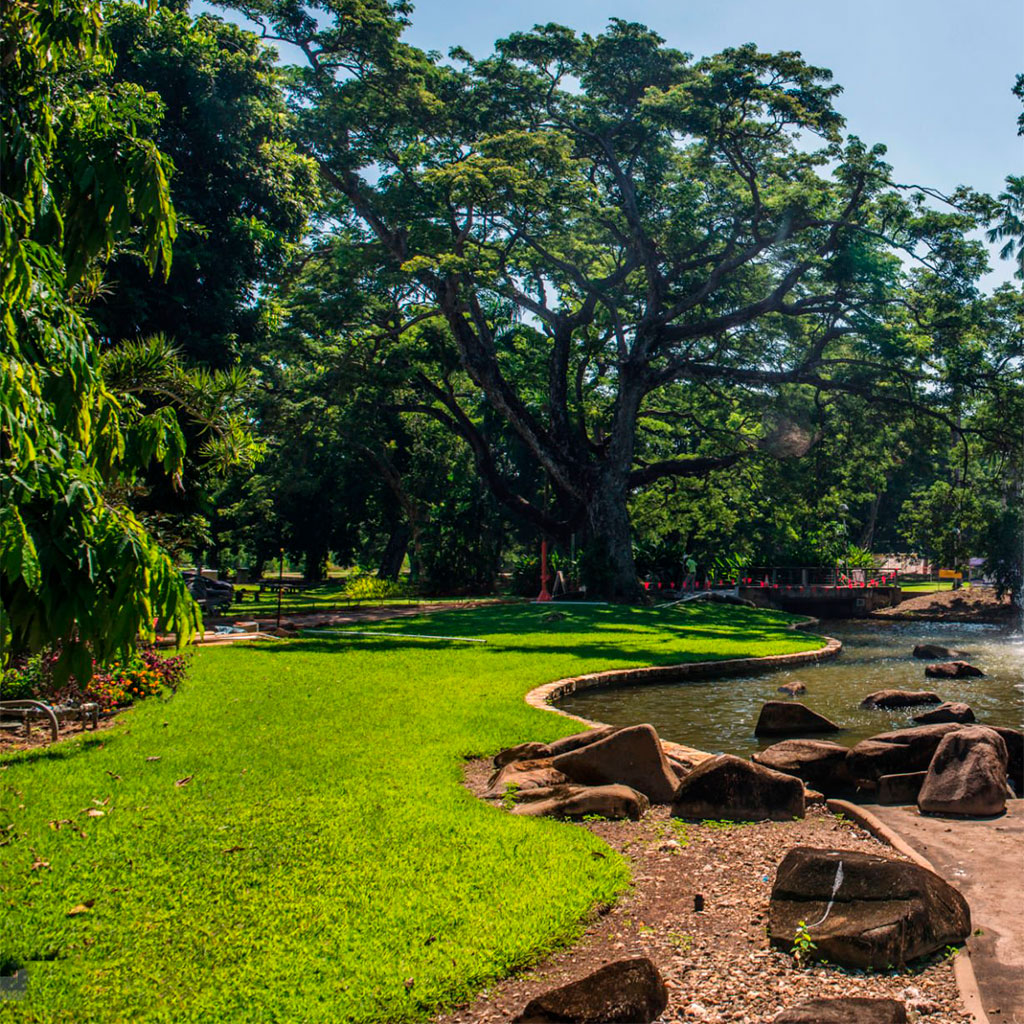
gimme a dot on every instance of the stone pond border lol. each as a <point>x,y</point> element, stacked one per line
<point>542,696</point>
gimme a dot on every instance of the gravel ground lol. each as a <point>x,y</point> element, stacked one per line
<point>717,963</point>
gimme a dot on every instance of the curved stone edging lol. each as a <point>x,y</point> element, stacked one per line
<point>541,696</point>
<point>963,969</point>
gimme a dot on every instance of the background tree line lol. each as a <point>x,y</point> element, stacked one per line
<point>387,305</point>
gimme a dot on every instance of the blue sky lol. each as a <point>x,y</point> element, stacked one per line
<point>930,79</point>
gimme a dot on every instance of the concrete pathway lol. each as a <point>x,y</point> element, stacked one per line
<point>985,861</point>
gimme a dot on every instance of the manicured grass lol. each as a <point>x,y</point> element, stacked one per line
<point>929,588</point>
<point>322,862</point>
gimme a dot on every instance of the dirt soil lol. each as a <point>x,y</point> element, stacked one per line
<point>978,604</point>
<point>11,741</point>
<point>717,963</point>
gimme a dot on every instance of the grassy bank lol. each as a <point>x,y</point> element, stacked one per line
<point>286,839</point>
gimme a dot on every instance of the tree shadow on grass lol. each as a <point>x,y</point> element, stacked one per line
<point>59,751</point>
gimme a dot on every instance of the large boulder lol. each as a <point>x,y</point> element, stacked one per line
<point>624,992</point>
<point>967,775</point>
<point>580,801</point>
<point>899,698</point>
<point>933,652</point>
<point>952,670</point>
<point>789,718</point>
<point>731,789</point>
<point>900,790</point>
<point>895,753</point>
<point>845,1010</point>
<point>820,763</point>
<point>862,910</point>
<point>632,756</point>
<point>948,712</point>
<point>524,775</point>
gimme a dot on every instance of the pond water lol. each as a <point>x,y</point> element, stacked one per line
<point>719,714</point>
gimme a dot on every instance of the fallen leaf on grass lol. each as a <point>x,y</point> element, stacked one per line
<point>114,775</point>
<point>233,849</point>
<point>81,908</point>
<point>152,758</point>
<point>57,822</point>
<point>409,982</point>
<point>185,781</point>
<point>94,812</point>
<point>38,862</point>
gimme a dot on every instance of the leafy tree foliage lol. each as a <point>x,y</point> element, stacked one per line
<point>77,177</point>
<point>241,192</point>
<point>655,224</point>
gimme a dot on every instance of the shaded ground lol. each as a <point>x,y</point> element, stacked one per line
<point>717,963</point>
<point>985,861</point>
<point>978,604</point>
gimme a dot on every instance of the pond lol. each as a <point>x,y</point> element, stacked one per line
<point>719,714</point>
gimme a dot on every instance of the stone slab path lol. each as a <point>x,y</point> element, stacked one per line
<point>985,861</point>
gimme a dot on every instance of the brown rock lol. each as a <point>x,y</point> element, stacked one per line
<point>522,752</point>
<point>948,712</point>
<point>786,718</point>
<point>578,801</point>
<point>578,740</point>
<point>900,789</point>
<point>1014,740</point>
<point>820,763</point>
<point>845,1010</point>
<point>952,670</point>
<point>631,756</point>
<point>935,651</point>
<point>967,775</point>
<point>792,688</point>
<point>729,788</point>
<point>895,753</point>
<point>862,910</point>
<point>624,992</point>
<point>524,775</point>
<point>899,698</point>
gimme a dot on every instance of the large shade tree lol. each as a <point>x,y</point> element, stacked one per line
<point>657,223</point>
<point>77,178</point>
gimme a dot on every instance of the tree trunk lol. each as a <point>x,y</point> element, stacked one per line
<point>609,572</point>
<point>316,565</point>
<point>394,554</point>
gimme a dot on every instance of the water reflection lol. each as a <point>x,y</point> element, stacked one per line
<point>719,714</point>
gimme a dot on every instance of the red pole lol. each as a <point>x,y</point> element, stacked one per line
<point>545,594</point>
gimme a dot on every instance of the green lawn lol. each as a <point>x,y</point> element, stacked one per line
<point>929,588</point>
<point>322,862</point>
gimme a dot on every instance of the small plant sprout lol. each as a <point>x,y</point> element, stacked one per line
<point>508,798</point>
<point>803,946</point>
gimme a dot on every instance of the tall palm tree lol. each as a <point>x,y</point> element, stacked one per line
<point>1011,224</point>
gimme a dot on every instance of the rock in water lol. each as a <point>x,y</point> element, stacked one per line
<point>729,788</point>
<point>948,712</point>
<point>580,801</point>
<point>896,753</point>
<point>862,910</point>
<point>967,775</point>
<point>935,651</point>
<point>847,1010</point>
<point>820,763</point>
<point>900,699</point>
<point>788,718</point>
<point>624,992</point>
<point>632,756</point>
<point>952,670</point>
<point>792,688</point>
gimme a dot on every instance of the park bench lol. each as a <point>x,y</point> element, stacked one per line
<point>20,714</point>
